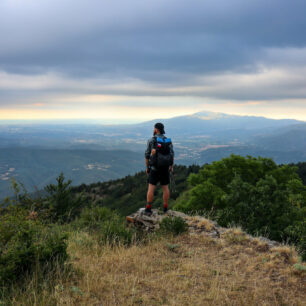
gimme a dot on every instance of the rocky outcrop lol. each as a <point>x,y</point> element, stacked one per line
<point>196,224</point>
<point>150,223</point>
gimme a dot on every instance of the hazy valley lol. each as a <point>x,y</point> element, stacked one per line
<point>35,153</point>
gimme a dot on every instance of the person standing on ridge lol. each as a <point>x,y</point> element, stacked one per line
<point>159,158</point>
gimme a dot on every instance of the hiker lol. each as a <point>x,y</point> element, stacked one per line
<point>159,157</point>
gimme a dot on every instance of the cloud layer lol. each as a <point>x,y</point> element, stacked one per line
<point>55,51</point>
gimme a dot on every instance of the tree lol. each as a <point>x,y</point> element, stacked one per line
<point>63,204</point>
<point>255,193</point>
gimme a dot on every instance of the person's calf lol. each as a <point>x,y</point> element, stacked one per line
<point>166,194</point>
<point>150,193</point>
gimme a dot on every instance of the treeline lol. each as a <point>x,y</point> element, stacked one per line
<point>301,170</point>
<point>128,194</point>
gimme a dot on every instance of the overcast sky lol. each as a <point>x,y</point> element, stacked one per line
<point>134,60</point>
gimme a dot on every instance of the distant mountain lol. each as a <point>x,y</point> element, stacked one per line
<point>288,138</point>
<point>280,157</point>
<point>212,123</point>
<point>214,126</point>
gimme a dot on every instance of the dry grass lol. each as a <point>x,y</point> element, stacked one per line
<point>191,269</point>
<point>200,223</point>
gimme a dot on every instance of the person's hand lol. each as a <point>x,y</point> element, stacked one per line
<point>171,169</point>
<point>147,171</point>
<point>153,151</point>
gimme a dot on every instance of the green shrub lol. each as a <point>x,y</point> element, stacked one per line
<point>297,234</point>
<point>300,267</point>
<point>92,218</point>
<point>57,203</point>
<point>107,226</point>
<point>114,231</point>
<point>62,204</point>
<point>173,225</point>
<point>26,243</point>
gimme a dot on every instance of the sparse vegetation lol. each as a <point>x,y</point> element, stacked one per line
<point>188,270</point>
<point>173,225</point>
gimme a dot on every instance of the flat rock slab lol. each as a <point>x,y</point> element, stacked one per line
<point>196,224</point>
<point>151,222</point>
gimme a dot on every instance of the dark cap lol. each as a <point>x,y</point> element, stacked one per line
<point>160,127</point>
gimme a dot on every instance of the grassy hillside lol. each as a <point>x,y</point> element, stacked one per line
<point>183,270</point>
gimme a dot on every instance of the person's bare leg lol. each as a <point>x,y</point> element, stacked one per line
<point>166,195</point>
<point>150,195</point>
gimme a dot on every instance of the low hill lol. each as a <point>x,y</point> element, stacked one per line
<point>190,269</point>
<point>287,139</point>
<point>280,157</point>
<point>36,168</point>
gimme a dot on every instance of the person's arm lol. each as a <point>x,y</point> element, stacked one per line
<point>147,156</point>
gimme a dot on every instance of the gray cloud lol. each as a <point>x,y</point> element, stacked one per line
<point>161,47</point>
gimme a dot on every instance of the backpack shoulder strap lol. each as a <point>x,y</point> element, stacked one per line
<point>154,142</point>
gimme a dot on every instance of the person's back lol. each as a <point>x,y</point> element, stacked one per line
<point>159,157</point>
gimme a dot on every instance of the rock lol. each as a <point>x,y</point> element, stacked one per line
<point>196,225</point>
<point>150,223</point>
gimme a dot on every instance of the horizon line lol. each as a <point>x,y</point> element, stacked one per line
<point>116,121</point>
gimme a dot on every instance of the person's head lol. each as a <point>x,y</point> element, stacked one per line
<point>158,128</point>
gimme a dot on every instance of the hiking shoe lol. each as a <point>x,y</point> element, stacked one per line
<point>165,209</point>
<point>148,211</point>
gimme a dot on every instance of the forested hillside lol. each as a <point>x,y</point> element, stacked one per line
<point>301,171</point>
<point>129,193</point>
<point>255,193</point>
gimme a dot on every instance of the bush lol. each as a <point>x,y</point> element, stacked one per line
<point>62,204</point>
<point>57,203</point>
<point>173,225</point>
<point>297,233</point>
<point>26,243</point>
<point>107,226</point>
<point>114,231</point>
<point>92,218</point>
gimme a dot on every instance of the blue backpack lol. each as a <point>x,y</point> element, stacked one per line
<point>163,157</point>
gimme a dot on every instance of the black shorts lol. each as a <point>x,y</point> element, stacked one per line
<point>160,175</point>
